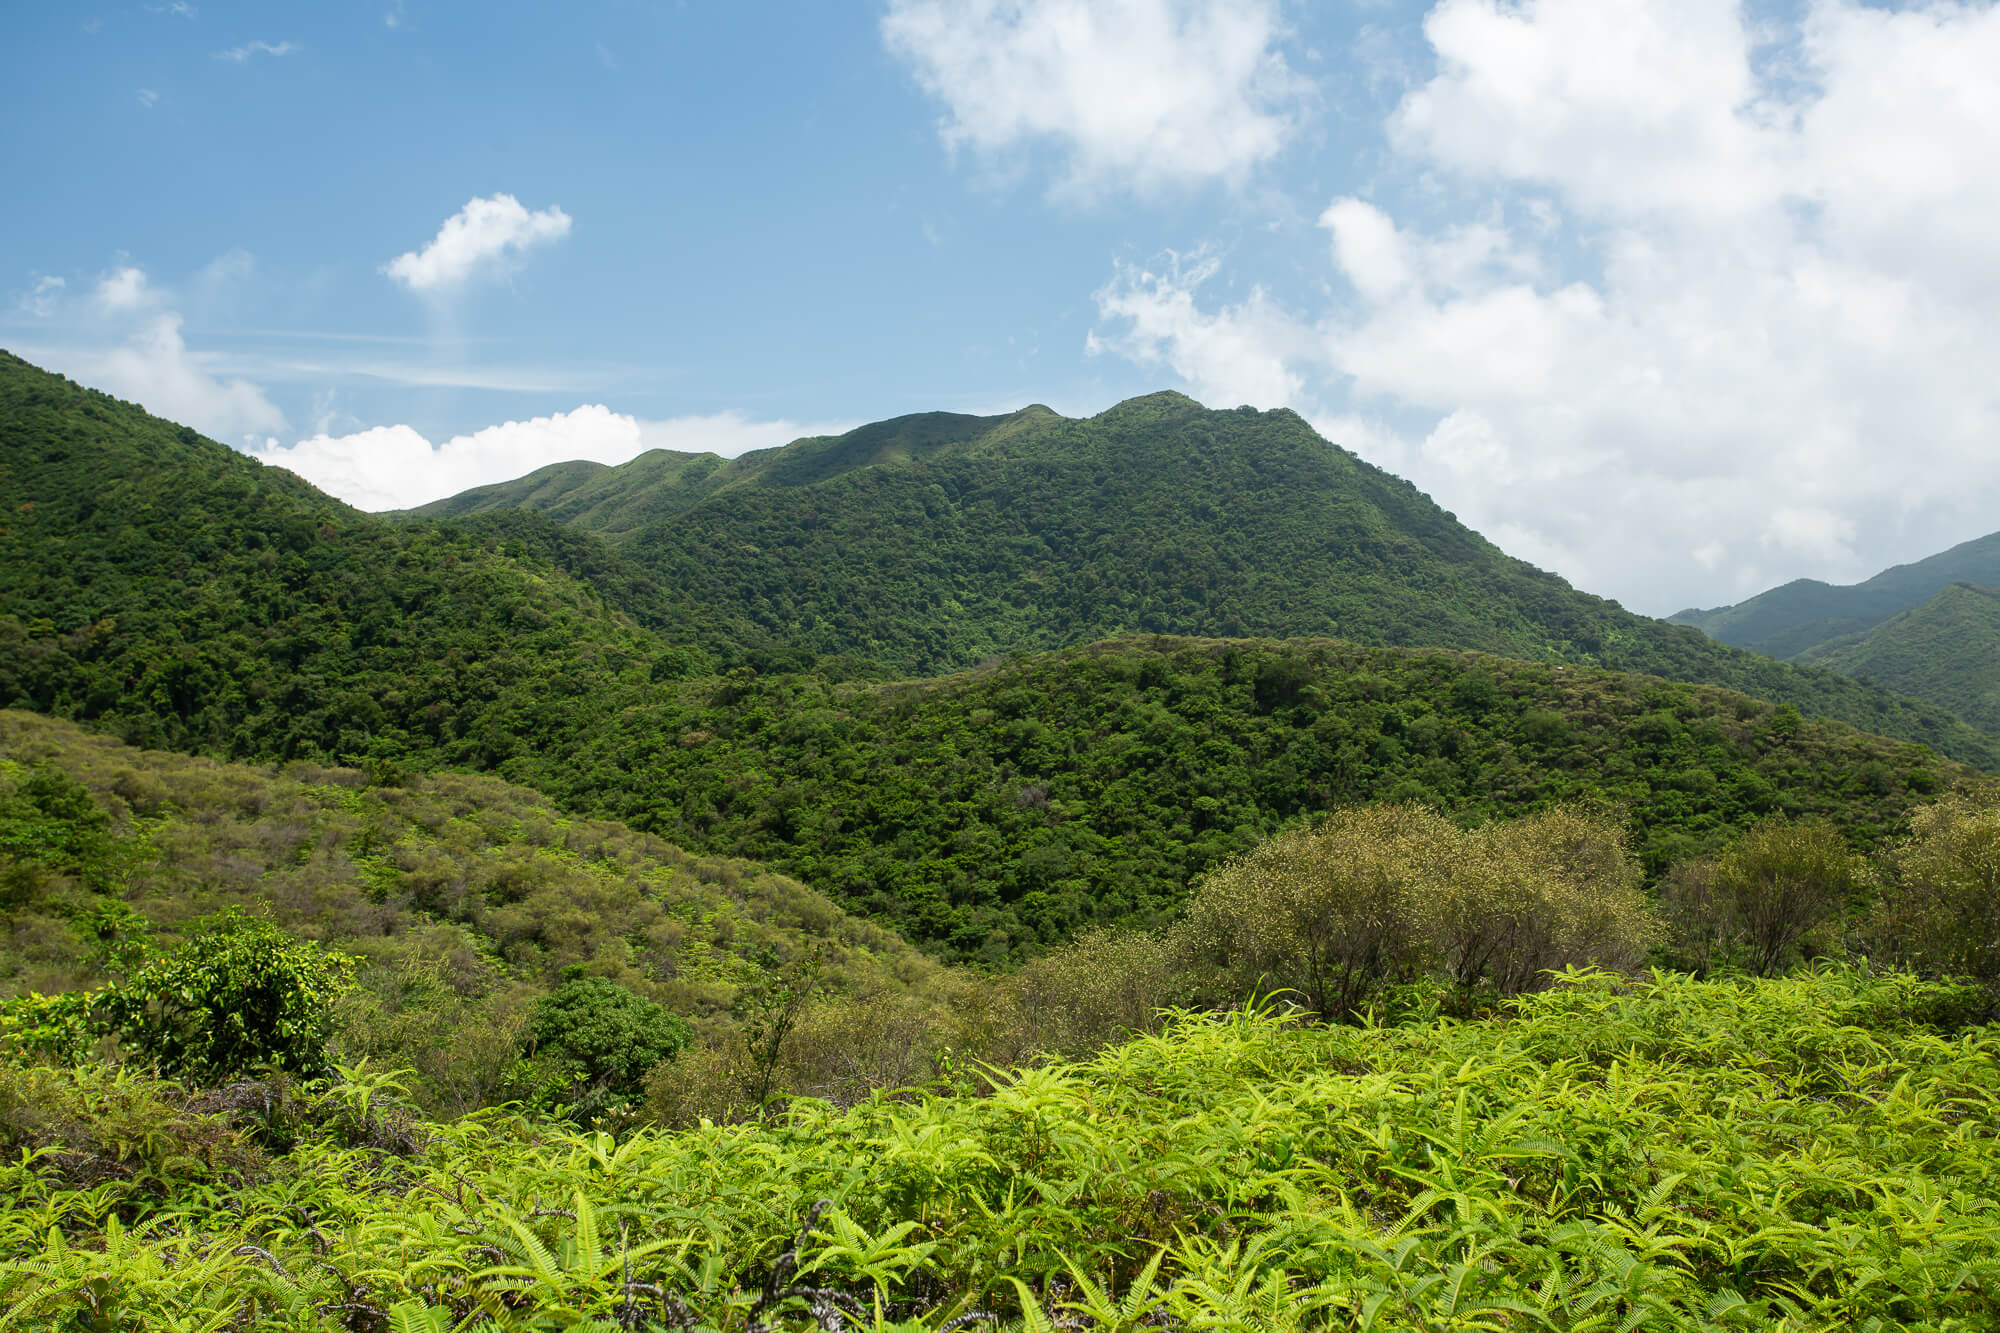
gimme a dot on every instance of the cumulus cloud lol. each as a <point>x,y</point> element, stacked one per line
<point>1240,354</point>
<point>1721,316</point>
<point>1139,94</point>
<point>142,355</point>
<point>483,239</point>
<point>396,467</point>
<point>239,55</point>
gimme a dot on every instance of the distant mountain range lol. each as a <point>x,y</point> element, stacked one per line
<point>1929,629</point>
<point>937,541</point>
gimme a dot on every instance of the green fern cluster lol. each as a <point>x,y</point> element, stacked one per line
<point>1802,1153</point>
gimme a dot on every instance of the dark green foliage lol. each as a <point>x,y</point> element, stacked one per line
<point>238,996</point>
<point>604,1038</point>
<point>993,813</point>
<point>1780,882</point>
<point>934,542</point>
<point>1946,651</point>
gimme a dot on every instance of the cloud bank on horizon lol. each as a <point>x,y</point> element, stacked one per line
<point>1679,298</point>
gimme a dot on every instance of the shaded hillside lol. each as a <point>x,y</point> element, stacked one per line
<point>466,897</point>
<point>934,542</point>
<point>1946,651</point>
<point>1787,621</point>
<point>164,587</point>
<point>990,813</point>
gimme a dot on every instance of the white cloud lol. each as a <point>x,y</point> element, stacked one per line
<point>42,299</point>
<point>1721,315</point>
<point>123,289</point>
<point>241,54</point>
<point>396,467</point>
<point>1240,354</point>
<point>141,355</point>
<point>1140,94</point>
<point>148,98</point>
<point>482,238</point>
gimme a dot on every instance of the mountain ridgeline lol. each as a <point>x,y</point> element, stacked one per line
<point>1928,630</point>
<point>715,676</point>
<point>935,542</point>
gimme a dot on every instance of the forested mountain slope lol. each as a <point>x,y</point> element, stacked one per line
<point>990,813</point>
<point>1787,621</point>
<point>167,588</point>
<point>933,542</point>
<point>1946,651</point>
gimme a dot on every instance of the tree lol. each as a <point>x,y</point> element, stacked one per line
<point>1940,906</point>
<point>604,1038</point>
<point>239,994</point>
<point>1780,881</point>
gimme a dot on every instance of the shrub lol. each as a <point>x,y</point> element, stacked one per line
<point>1103,987</point>
<point>1332,912</point>
<point>604,1038</point>
<point>1940,905</point>
<point>239,994</point>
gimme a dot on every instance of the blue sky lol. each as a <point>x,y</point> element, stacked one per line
<point>1675,298</point>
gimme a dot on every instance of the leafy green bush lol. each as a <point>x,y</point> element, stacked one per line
<point>238,995</point>
<point>603,1038</point>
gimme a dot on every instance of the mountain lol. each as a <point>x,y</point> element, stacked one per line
<point>1787,621</point>
<point>934,542</point>
<point>1946,651</point>
<point>162,586</point>
<point>1926,630</point>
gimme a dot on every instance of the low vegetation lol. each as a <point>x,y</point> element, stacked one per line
<point>1665,1154</point>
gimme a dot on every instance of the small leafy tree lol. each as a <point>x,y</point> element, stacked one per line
<point>1781,881</point>
<point>603,1038</point>
<point>1940,905</point>
<point>240,993</point>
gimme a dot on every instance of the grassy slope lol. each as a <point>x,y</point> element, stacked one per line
<point>1804,1153</point>
<point>931,543</point>
<point>1947,651</point>
<point>465,894</point>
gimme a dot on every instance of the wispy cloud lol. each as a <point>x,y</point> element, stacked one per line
<point>41,299</point>
<point>148,98</point>
<point>238,55</point>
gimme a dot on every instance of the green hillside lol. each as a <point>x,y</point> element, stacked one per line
<point>1946,651</point>
<point>465,898</point>
<point>164,587</point>
<point>991,813</point>
<point>1926,630</point>
<point>934,542</point>
<point>1787,621</point>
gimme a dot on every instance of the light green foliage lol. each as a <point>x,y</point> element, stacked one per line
<point>1940,905</point>
<point>1380,895</point>
<point>239,995</point>
<point>1673,1155</point>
